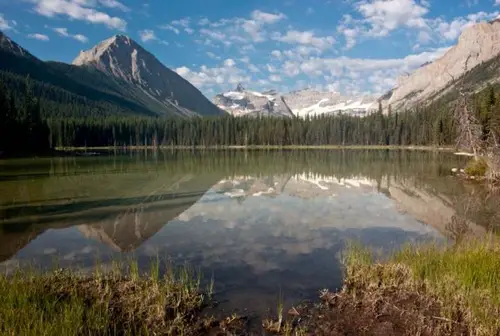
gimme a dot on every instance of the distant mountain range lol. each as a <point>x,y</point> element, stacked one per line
<point>116,76</point>
<point>475,60</point>
<point>303,103</point>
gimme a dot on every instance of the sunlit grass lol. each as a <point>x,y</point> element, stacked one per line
<point>465,278</point>
<point>61,303</point>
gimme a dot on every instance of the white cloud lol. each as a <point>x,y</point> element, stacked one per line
<point>40,37</point>
<point>204,22</point>
<point>266,18</point>
<point>229,63</point>
<point>147,35</point>
<point>451,30</point>
<point>114,4</point>
<point>215,35</point>
<point>78,10</point>
<point>253,68</point>
<point>424,37</point>
<point>242,30</point>
<point>305,38</point>
<point>277,54</point>
<point>353,73</point>
<point>4,24</point>
<point>212,55</point>
<point>182,22</point>
<point>227,75</point>
<point>188,30</point>
<point>275,78</point>
<point>171,28</point>
<point>64,33</point>
<point>384,16</point>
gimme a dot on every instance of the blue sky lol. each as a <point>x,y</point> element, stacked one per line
<point>351,46</point>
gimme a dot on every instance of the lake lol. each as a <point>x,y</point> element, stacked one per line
<point>260,223</point>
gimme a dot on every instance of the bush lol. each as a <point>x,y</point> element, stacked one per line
<point>477,167</point>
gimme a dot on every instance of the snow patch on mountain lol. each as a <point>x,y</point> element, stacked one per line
<point>302,103</point>
<point>242,102</point>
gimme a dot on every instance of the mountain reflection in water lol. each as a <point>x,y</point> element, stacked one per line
<point>260,222</point>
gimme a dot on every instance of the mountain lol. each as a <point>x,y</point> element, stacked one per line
<point>311,102</point>
<point>241,102</point>
<point>477,45</point>
<point>91,89</point>
<point>124,59</point>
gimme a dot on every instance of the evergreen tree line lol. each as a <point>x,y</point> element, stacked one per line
<point>422,128</point>
<point>26,125</point>
<point>22,128</point>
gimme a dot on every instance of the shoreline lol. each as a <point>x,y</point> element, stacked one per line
<point>424,290</point>
<point>260,147</point>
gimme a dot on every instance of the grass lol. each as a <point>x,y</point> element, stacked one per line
<point>62,303</point>
<point>464,279</point>
<point>477,167</point>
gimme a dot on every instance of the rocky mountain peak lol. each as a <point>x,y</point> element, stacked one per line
<point>240,88</point>
<point>123,58</point>
<point>7,44</point>
<point>478,43</point>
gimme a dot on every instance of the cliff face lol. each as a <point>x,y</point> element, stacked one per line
<point>477,44</point>
<point>123,58</point>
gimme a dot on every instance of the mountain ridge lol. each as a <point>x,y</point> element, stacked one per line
<point>301,103</point>
<point>121,57</point>
<point>477,44</point>
<point>97,91</point>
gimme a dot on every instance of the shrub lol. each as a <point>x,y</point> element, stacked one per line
<point>477,167</point>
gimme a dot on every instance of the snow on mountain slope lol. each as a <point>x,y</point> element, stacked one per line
<point>311,103</point>
<point>125,59</point>
<point>242,102</point>
<point>299,103</point>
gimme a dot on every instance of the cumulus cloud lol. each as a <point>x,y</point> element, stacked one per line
<point>4,24</point>
<point>182,22</point>
<point>40,37</point>
<point>171,28</point>
<point>266,18</point>
<point>64,33</point>
<point>305,38</point>
<point>451,30</point>
<point>114,4</point>
<point>240,29</point>
<point>147,35</point>
<point>385,16</point>
<point>78,10</point>
<point>228,74</point>
<point>275,78</point>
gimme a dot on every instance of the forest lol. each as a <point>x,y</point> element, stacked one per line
<point>27,124</point>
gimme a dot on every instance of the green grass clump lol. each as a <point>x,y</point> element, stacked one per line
<point>62,303</point>
<point>465,278</point>
<point>477,167</point>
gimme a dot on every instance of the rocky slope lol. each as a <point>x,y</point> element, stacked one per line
<point>242,102</point>
<point>7,44</point>
<point>302,103</point>
<point>115,77</point>
<point>123,58</point>
<point>311,102</point>
<point>477,44</point>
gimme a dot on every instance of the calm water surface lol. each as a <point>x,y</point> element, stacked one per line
<point>260,222</point>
